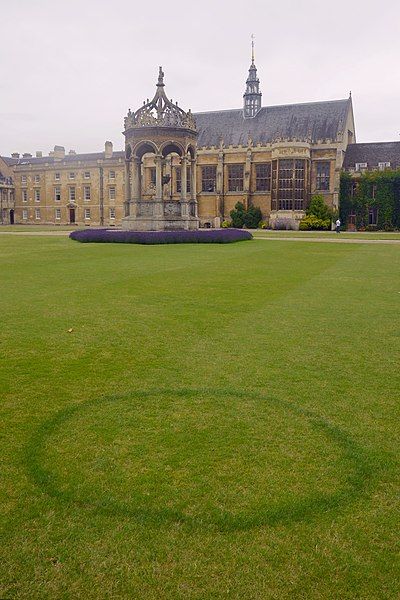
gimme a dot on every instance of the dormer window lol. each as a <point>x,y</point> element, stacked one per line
<point>383,165</point>
<point>361,167</point>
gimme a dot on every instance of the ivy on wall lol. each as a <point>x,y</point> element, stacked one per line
<point>378,190</point>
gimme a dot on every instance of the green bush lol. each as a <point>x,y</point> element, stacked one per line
<point>319,209</point>
<point>226,224</point>
<point>249,218</point>
<point>314,223</point>
<point>237,215</point>
<point>252,217</point>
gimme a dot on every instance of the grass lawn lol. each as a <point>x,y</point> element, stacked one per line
<point>221,422</point>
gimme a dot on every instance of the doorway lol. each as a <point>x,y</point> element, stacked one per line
<point>12,216</point>
<point>72,216</point>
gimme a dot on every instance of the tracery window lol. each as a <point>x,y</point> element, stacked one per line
<point>288,184</point>
<point>235,178</point>
<point>263,177</point>
<point>208,178</point>
<point>323,175</point>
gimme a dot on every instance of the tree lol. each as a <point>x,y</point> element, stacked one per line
<point>319,209</point>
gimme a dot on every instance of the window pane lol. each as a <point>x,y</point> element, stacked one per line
<point>323,175</point>
<point>263,177</point>
<point>208,178</point>
<point>235,178</point>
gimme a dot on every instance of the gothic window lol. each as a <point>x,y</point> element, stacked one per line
<point>263,177</point>
<point>178,179</point>
<point>291,185</point>
<point>153,175</point>
<point>323,176</point>
<point>274,190</point>
<point>299,184</point>
<point>208,178</point>
<point>235,178</point>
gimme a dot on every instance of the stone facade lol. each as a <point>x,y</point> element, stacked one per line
<point>273,157</point>
<point>7,203</point>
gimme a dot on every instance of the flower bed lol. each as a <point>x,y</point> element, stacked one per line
<point>209,236</point>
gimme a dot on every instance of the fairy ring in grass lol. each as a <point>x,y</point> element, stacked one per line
<point>201,457</point>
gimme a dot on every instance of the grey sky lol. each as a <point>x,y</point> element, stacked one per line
<point>70,70</point>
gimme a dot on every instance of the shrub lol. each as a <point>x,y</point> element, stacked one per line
<point>319,209</point>
<point>252,217</point>
<point>249,218</point>
<point>209,236</point>
<point>237,215</point>
<point>312,222</point>
<point>226,224</point>
<point>263,225</point>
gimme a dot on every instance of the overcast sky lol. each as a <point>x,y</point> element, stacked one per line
<point>71,69</point>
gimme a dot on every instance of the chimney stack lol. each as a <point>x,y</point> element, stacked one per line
<point>59,152</point>
<point>108,150</point>
<point>15,155</point>
<point>39,154</point>
<point>27,155</point>
<point>72,153</point>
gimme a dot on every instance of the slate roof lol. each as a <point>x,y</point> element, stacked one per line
<point>310,121</point>
<point>69,158</point>
<point>372,154</point>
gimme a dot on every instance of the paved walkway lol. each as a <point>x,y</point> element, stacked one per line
<point>272,238</point>
<point>327,240</point>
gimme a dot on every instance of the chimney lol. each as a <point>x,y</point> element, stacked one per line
<point>59,152</point>
<point>108,150</point>
<point>15,155</point>
<point>72,153</point>
<point>39,154</point>
<point>27,155</point>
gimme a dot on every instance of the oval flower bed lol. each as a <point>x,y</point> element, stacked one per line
<point>200,236</point>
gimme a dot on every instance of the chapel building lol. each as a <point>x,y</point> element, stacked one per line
<point>273,157</point>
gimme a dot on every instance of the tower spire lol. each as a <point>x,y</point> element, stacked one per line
<point>252,95</point>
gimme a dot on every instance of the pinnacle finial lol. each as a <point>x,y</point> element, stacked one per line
<point>160,76</point>
<point>252,48</point>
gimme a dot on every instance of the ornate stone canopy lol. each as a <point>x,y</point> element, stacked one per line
<point>160,112</point>
<point>163,130</point>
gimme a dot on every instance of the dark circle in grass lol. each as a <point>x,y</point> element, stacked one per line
<point>356,481</point>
